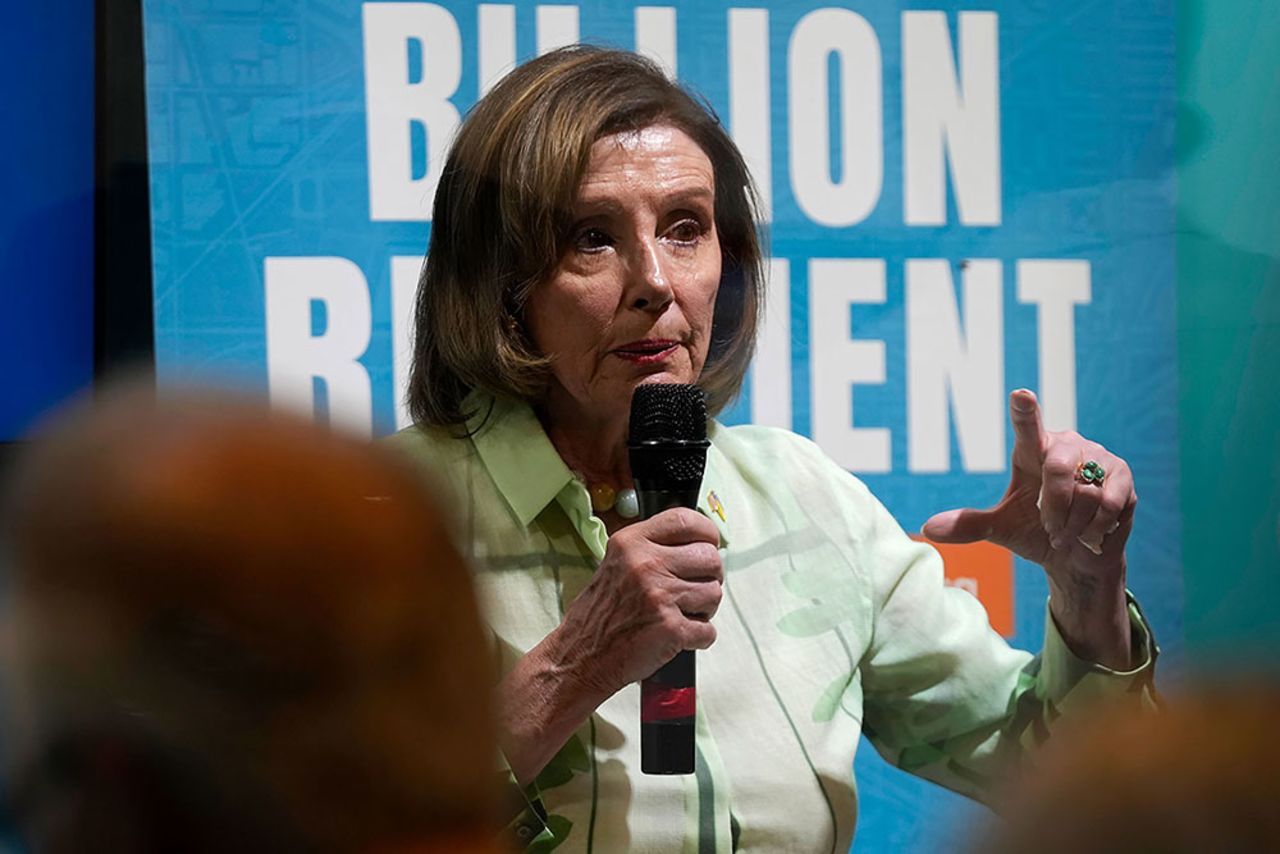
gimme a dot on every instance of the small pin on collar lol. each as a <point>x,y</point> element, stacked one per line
<point>713,501</point>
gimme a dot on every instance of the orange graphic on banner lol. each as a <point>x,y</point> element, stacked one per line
<point>986,571</point>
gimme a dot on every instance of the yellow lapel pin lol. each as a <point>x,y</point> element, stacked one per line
<point>713,501</point>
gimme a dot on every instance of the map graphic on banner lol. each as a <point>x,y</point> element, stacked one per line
<point>963,199</point>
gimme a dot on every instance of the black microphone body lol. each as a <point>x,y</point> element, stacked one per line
<point>668,450</point>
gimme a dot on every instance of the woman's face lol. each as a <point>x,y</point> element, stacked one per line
<point>632,298</point>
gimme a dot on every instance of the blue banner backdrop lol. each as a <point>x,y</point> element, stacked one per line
<point>965,198</point>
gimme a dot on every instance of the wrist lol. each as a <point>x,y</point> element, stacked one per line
<point>1092,616</point>
<point>570,667</point>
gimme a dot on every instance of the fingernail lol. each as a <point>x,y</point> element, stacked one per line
<point>1090,546</point>
<point>1019,402</point>
<point>1056,542</point>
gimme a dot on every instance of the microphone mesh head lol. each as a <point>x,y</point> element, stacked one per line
<point>668,412</point>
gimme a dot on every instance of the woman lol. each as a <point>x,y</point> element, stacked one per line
<point>593,230</point>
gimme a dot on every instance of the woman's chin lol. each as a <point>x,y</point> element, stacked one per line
<point>609,397</point>
<point>666,376</point>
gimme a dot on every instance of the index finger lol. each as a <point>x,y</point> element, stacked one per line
<point>1028,430</point>
<point>680,526</point>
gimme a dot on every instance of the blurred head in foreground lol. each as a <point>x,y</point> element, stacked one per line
<point>1202,776</point>
<point>229,631</point>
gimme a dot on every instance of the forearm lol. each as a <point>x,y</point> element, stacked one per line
<point>541,702</point>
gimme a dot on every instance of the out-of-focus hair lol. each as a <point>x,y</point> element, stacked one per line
<point>503,212</point>
<point>232,631</point>
<point>1200,776</point>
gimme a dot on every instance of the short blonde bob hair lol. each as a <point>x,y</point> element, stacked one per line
<point>503,213</point>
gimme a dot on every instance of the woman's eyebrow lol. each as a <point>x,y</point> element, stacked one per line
<point>609,205</point>
<point>699,194</point>
<point>592,207</point>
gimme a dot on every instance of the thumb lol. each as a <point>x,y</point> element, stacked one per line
<point>1029,436</point>
<point>964,525</point>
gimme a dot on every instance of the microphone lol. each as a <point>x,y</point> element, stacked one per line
<point>667,446</point>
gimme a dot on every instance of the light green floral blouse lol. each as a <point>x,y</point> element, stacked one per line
<point>834,625</point>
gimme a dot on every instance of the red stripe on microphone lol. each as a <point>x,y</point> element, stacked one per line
<point>660,702</point>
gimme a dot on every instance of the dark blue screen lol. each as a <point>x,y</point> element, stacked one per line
<point>46,208</point>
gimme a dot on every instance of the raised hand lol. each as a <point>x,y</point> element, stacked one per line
<point>1076,528</point>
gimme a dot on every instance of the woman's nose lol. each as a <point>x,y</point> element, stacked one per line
<point>650,279</point>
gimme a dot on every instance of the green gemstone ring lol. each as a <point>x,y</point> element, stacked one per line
<point>1091,472</point>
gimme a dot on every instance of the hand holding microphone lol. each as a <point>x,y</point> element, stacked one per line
<point>650,602</point>
<point>650,599</point>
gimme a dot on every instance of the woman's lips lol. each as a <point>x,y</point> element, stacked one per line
<point>646,352</point>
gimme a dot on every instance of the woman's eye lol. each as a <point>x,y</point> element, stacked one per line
<point>686,231</point>
<point>592,240</point>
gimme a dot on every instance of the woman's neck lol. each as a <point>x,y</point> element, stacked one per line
<point>595,448</point>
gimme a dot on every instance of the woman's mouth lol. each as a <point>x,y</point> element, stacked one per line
<point>646,352</point>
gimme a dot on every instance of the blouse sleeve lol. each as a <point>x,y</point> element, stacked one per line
<point>945,697</point>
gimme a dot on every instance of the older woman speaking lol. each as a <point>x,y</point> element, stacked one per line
<point>593,231</point>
